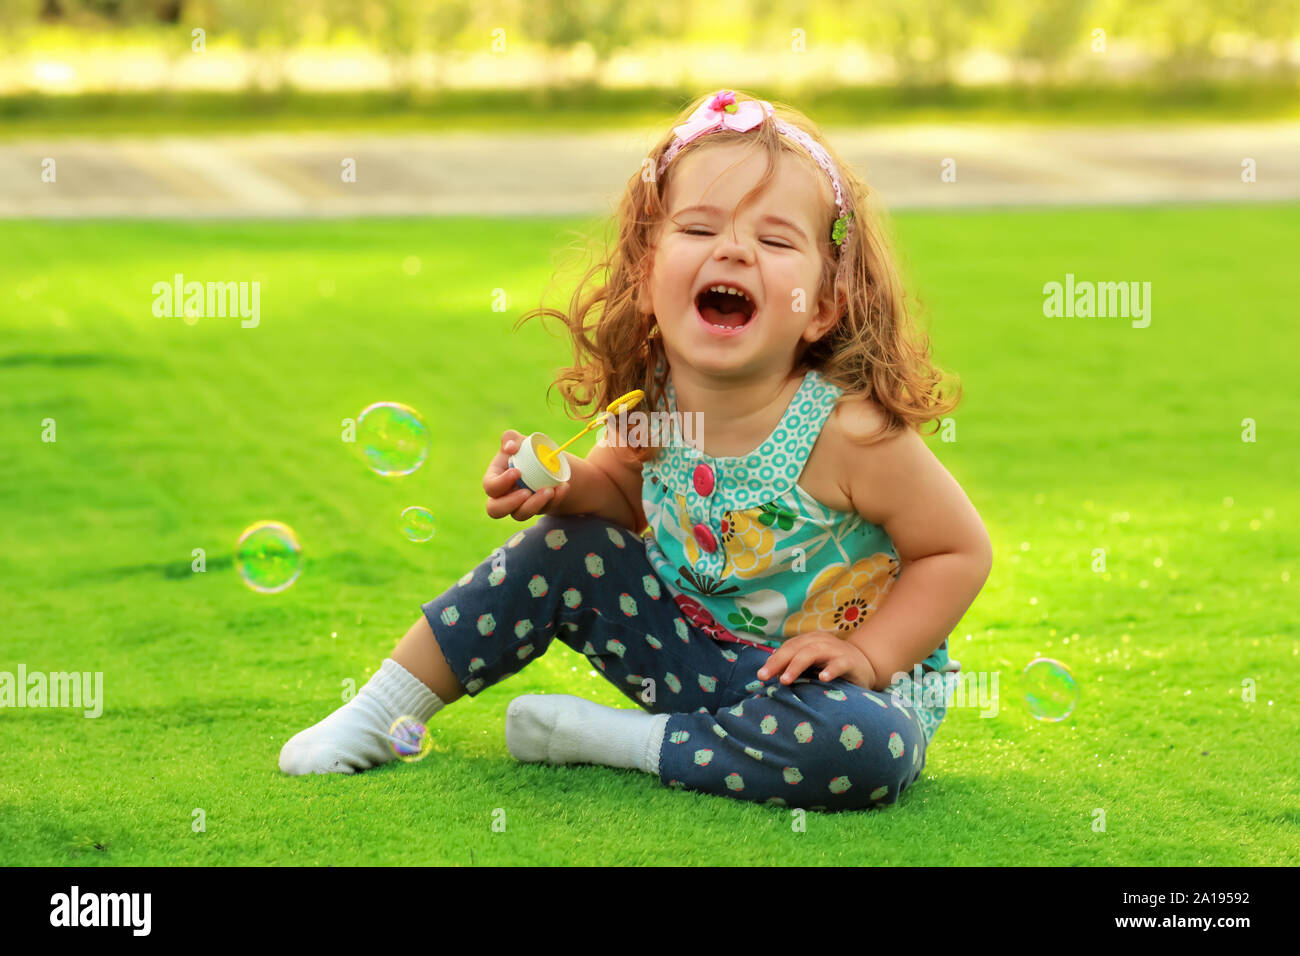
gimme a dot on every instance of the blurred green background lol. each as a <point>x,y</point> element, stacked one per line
<point>433,63</point>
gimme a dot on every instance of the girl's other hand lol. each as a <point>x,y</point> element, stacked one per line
<point>504,497</point>
<point>841,658</point>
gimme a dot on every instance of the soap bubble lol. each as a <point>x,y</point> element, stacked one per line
<point>268,556</point>
<point>409,739</point>
<point>392,438</point>
<point>418,524</point>
<point>1050,689</point>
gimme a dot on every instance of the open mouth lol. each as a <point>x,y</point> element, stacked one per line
<point>725,306</point>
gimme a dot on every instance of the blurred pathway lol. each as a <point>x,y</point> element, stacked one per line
<point>473,173</point>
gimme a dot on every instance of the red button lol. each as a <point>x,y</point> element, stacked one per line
<point>703,480</point>
<point>705,538</point>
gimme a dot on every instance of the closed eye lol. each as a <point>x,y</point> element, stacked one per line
<point>705,232</point>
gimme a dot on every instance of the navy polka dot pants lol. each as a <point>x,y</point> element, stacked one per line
<point>821,745</point>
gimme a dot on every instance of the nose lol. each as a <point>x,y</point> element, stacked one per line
<point>730,246</point>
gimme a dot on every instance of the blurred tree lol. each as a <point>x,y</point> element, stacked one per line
<point>106,9</point>
<point>654,26</point>
<point>446,24</point>
<point>395,25</point>
<point>607,25</point>
<point>771,23</point>
<point>169,11</point>
<point>1185,40</point>
<point>142,12</point>
<point>554,25</point>
<point>923,37</point>
<point>1269,25</point>
<point>94,14</point>
<point>670,19</point>
<point>17,20</point>
<point>403,28</point>
<point>1278,21</point>
<point>269,31</point>
<point>1047,34</point>
<point>1180,33</point>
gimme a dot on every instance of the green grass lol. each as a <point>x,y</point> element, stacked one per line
<point>586,108</point>
<point>1075,434</point>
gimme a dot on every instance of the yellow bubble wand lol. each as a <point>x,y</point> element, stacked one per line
<point>551,459</point>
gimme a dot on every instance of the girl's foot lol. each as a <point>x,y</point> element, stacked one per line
<point>560,729</point>
<point>356,736</point>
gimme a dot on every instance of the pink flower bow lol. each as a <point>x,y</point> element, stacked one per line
<point>722,112</point>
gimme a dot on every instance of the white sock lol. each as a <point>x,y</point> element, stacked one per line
<point>355,737</point>
<point>560,729</point>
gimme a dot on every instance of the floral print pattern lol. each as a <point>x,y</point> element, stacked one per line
<point>784,563</point>
<point>841,597</point>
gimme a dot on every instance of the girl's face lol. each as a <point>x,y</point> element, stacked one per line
<point>772,251</point>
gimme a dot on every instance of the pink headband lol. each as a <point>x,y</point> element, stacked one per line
<point>723,112</point>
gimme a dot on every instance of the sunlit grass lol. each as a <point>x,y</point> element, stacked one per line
<point>1075,435</point>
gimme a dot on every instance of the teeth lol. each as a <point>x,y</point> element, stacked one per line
<point>730,289</point>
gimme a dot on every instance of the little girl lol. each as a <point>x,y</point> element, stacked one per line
<point>767,593</point>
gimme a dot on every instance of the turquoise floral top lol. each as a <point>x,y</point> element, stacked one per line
<point>747,553</point>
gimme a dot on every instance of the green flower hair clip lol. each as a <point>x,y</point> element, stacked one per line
<point>841,228</point>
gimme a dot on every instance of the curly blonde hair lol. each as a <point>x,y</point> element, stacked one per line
<point>873,350</point>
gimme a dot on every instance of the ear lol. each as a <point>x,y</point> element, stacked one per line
<point>829,309</point>
<point>643,303</point>
<point>642,299</point>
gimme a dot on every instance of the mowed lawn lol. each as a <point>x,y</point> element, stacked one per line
<point>1075,434</point>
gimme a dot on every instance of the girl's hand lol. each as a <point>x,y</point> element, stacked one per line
<point>504,498</point>
<point>841,659</point>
